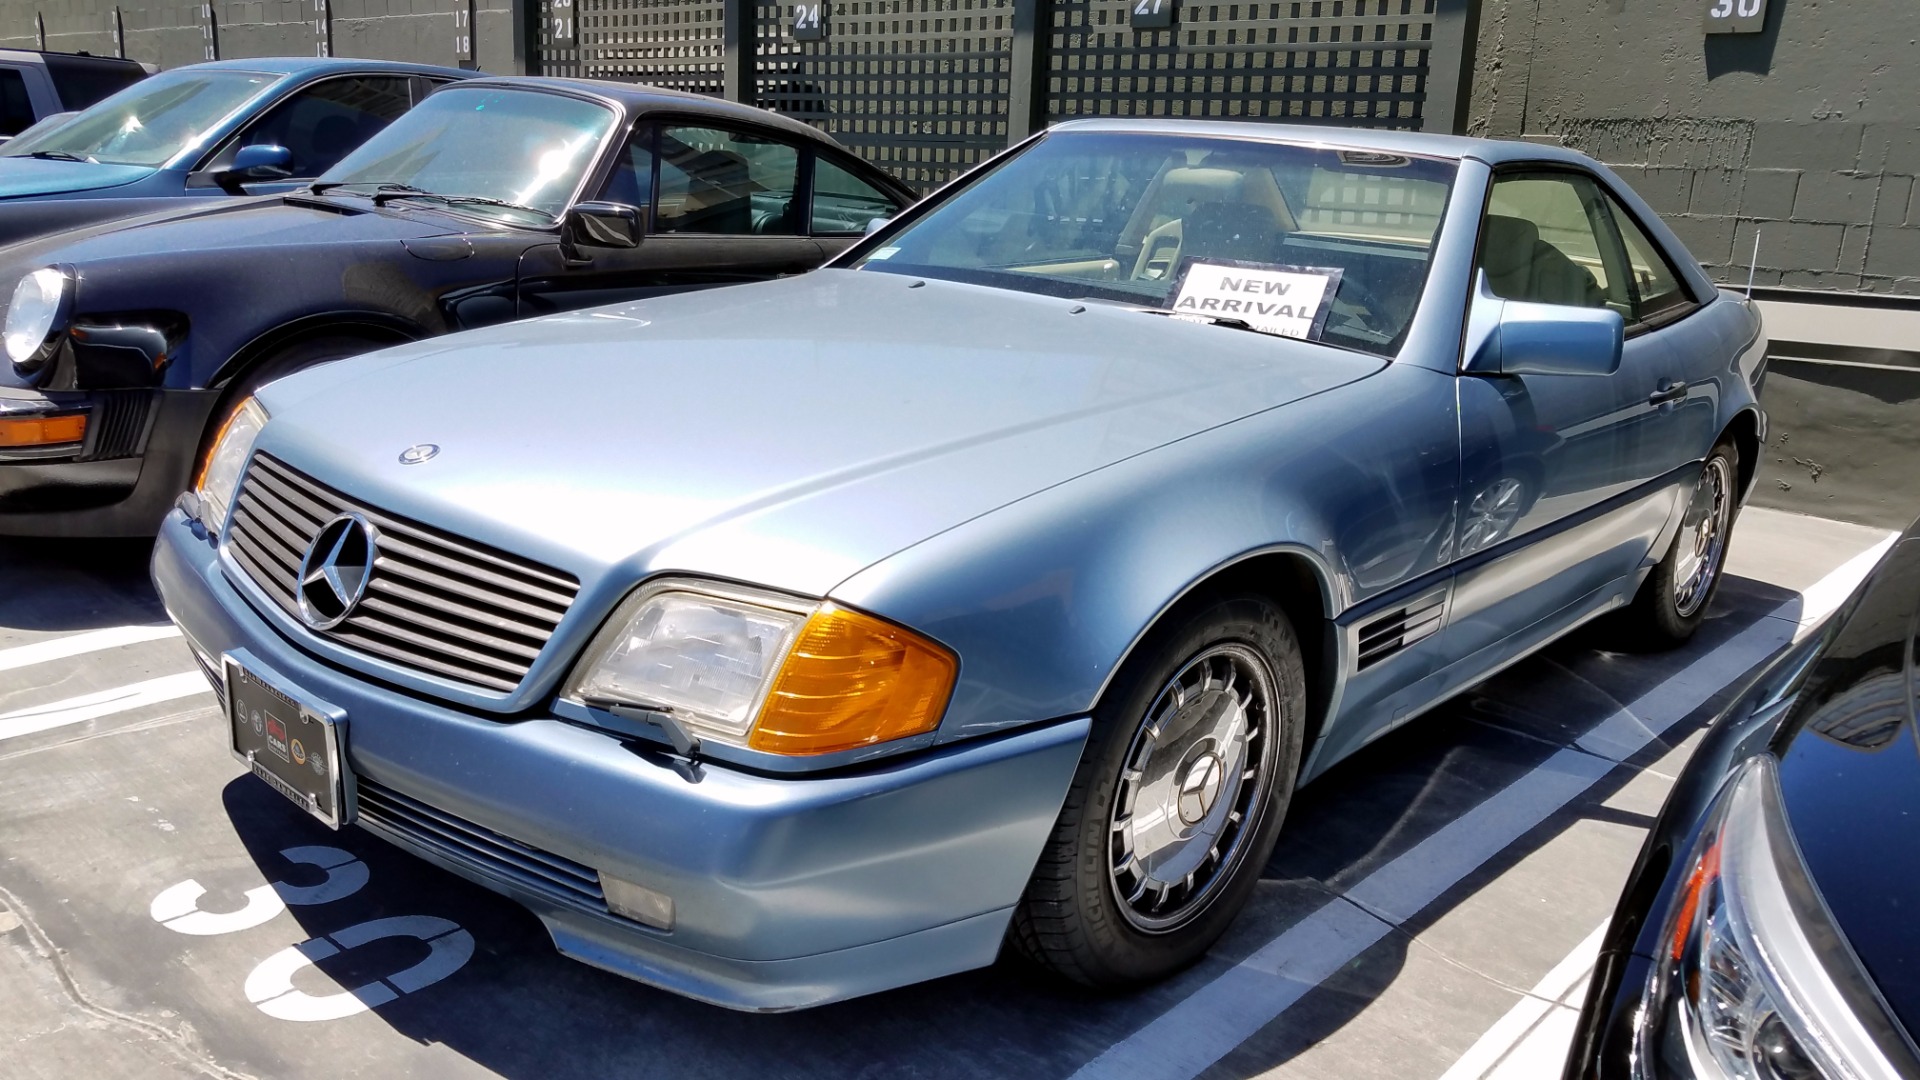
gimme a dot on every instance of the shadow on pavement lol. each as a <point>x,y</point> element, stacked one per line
<point>72,585</point>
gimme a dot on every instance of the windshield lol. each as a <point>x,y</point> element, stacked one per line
<point>149,122</point>
<point>1331,245</point>
<point>489,145</point>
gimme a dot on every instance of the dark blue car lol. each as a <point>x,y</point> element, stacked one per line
<point>232,127</point>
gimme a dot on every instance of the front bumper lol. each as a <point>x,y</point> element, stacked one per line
<point>137,457</point>
<point>789,891</point>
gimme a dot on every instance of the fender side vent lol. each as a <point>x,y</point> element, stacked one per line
<point>1385,635</point>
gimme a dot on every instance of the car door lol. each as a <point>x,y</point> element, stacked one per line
<point>318,124</point>
<point>723,205</point>
<point>1558,507</point>
<point>1683,361</point>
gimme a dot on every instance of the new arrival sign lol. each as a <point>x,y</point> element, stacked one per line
<point>1288,300</point>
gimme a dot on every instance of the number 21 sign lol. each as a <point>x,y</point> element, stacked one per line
<point>1736,16</point>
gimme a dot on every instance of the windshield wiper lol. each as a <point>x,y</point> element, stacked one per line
<point>1227,321</point>
<point>379,188</point>
<point>463,200</point>
<point>60,155</point>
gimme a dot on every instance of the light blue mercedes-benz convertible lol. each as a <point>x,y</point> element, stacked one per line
<point>997,584</point>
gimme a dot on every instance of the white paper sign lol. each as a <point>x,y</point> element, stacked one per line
<point>1291,301</point>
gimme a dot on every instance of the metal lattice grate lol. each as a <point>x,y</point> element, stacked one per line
<point>1358,62</point>
<point>919,87</point>
<point>668,43</point>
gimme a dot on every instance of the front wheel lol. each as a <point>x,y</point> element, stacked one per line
<point>1177,802</point>
<point>1672,602</point>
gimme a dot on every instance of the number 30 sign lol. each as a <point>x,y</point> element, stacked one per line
<point>1736,16</point>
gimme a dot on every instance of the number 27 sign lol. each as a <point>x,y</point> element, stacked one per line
<point>1736,16</point>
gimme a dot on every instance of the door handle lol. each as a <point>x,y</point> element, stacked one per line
<point>1670,390</point>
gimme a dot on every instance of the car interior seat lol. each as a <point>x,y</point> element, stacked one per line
<point>1521,266</point>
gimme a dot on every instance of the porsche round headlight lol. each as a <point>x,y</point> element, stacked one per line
<point>32,315</point>
<point>766,672</point>
<point>226,459</point>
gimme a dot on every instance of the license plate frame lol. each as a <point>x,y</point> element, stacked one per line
<point>291,742</point>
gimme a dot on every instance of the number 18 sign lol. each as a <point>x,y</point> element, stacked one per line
<point>1736,16</point>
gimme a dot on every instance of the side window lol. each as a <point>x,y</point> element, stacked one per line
<point>1541,243</point>
<point>323,123</point>
<point>16,111</point>
<point>843,203</point>
<point>631,181</point>
<point>726,183</point>
<point>1657,290</point>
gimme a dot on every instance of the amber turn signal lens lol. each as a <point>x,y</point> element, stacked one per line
<point>853,680</point>
<point>43,430</point>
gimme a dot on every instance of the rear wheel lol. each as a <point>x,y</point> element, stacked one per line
<point>1177,802</point>
<point>1673,601</point>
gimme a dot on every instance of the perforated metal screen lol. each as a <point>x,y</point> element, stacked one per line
<point>928,88</point>
<point>1361,62</point>
<point>917,86</point>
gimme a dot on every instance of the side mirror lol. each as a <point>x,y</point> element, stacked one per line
<point>602,224</point>
<point>874,225</point>
<point>262,161</point>
<point>1515,337</point>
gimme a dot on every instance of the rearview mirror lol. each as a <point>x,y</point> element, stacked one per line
<point>874,225</point>
<point>602,224</point>
<point>1515,337</point>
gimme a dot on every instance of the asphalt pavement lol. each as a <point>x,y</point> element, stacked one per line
<point>1431,912</point>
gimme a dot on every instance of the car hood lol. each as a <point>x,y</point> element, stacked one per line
<point>260,222</point>
<point>25,177</point>
<point>790,433</point>
<point>1851,784</point>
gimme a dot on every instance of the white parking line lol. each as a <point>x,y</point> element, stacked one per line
<point>1531,1041</point>
<point>105,703</point>
<point>1221,1014</point>
<point>113,637</point>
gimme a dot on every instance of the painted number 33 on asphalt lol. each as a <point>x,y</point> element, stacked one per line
<point>270,985</point>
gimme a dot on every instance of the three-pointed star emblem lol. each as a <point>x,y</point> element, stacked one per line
<point>333,576</point>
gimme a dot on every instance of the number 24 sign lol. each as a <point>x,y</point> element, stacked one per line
<point>1736,16</point>
<point>810,21</point>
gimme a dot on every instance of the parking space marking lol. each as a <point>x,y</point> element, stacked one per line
<point>61,648</point>
<point>270,985</point>
<point>178,906</point>
<point>1533,1038</point>
<point>1223,1013</point>
<point>105,703</point>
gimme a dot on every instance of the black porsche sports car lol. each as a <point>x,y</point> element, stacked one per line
<point>493,199</point>
<point>1767,931</point>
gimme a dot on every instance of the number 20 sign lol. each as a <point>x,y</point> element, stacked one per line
<point>1736,16</point>
<point>810,21</point>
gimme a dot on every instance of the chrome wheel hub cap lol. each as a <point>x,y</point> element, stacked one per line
<point>1703,537</point>
<point>1196,778</point>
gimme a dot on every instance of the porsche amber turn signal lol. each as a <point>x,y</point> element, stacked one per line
<point>852,680</point>
<point>42,431</point>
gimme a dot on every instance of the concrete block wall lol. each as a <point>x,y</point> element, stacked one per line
<point>171,34</point>
<point>1807,133</point>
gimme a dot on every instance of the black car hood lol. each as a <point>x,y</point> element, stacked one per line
<point>1851,782</point>
<point>267,222</point>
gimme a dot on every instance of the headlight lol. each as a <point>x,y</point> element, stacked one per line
<point>767,672</point>
<point>32,315</point>
<point>1754,982</point>
<point>220,473</point>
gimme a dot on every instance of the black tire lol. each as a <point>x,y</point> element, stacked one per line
<point>1664,615</point>
<point>1072,920</point>
<point>300,354</point>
